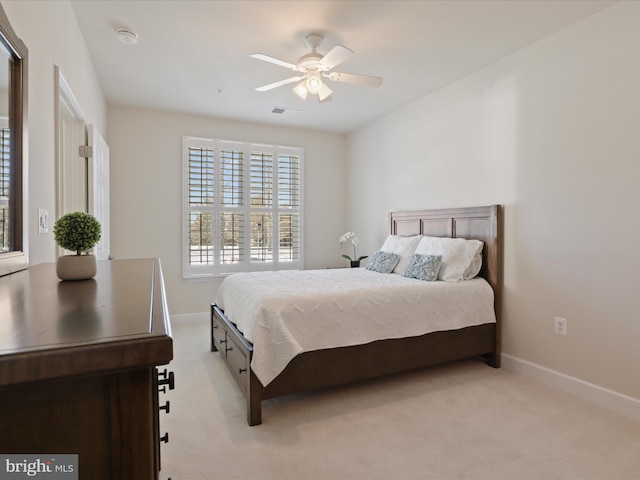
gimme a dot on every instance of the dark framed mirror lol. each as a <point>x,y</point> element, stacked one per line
<point>13,147</point>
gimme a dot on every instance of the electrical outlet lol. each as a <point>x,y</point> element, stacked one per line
<point>560,325</point>
<point>43,221</point>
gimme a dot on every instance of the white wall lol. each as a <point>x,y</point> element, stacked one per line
<point>551,132</point>
<point>146,191</point>
<point>52,35</point>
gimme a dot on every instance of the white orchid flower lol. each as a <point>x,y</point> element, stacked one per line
<point>351,236</point>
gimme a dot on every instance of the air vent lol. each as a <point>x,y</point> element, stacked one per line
<point>281,110</point>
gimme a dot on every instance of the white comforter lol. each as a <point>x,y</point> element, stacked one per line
<point>288,312</point>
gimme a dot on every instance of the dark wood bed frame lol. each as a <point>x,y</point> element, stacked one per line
<point>338,366</point>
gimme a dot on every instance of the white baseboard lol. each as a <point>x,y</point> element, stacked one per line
<point>618,402</point>
<point>191,317</point>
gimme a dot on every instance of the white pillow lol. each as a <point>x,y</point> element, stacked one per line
<point>461,258</point>
<point>403,246</point>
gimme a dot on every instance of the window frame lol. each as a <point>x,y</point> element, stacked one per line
<point>217,268</point>
<point>16,258</point>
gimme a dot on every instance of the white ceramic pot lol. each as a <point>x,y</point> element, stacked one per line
<point>76,267</point>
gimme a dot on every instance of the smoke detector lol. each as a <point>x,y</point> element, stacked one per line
<point>127,36</point>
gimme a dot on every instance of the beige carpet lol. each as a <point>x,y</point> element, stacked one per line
<point>459,421</point>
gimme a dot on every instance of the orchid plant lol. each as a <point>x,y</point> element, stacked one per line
<point>351,237</point>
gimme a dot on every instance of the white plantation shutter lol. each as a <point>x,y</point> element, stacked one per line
<point>200,202</point>
<point>289,206</point>
<point>261,176</point>
<point>242,207</point>
<point>231,205</point>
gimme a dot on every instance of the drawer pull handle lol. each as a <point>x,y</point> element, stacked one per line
<point>222,341</point>
<point>166,407</point>
<point>240,370</point>
<point>228,349</point>
<point>164,379</point>
<point>165,438</point>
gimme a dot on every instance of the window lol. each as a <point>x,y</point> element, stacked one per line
<point>242,207</point>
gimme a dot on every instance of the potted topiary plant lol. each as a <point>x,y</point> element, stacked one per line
<point>78,232</point>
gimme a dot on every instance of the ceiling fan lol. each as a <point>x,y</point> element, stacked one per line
<point>314,67</point>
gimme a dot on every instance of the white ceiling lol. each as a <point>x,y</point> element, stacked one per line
<point>193,56</point>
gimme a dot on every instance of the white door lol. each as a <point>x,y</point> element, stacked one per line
<point>72,178</point>
<point>99,188</point>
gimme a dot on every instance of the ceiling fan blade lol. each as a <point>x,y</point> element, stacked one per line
<point>271,86</point>
<point>267,58</point>
<point>325,92</point>
<point>364,80</point>
<point>336,56</point>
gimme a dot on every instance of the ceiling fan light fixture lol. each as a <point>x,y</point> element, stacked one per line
<point>301,90</point>
<point>314,82</point>
<point>313,66</point>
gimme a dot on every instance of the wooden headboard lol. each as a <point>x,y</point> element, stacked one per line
<point>481,223</point>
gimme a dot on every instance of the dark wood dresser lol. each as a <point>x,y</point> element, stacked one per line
<point>78,367</point>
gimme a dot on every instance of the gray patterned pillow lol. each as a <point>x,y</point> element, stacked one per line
<point>423,267</point>
<point>383,262</point>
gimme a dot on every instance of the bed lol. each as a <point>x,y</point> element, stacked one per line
<point>325,367</point>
